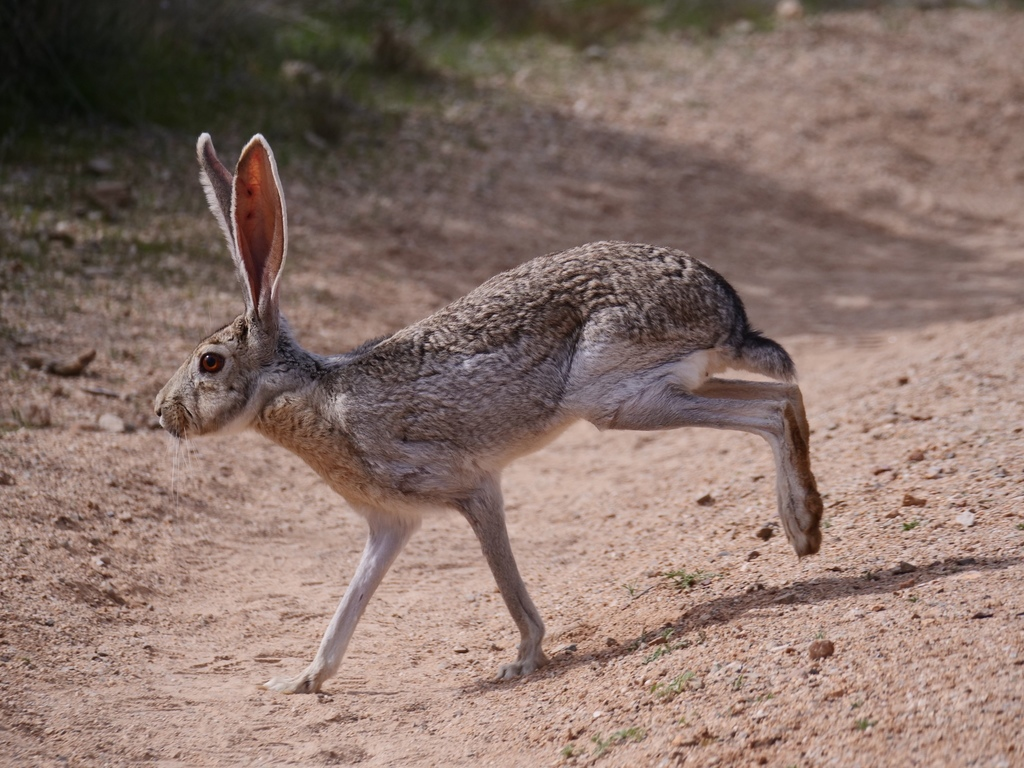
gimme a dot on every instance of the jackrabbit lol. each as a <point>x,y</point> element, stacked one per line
<point>624,336</point>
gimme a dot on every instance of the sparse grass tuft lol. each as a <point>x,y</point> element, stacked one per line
<point>683,579</point>
<point>668,691</point>
<point>665,647</point>
<point>602,745</point>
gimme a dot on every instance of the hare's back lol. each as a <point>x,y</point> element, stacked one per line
<point>501,370</point>
<point>605,291</point>
<point>526,336</point>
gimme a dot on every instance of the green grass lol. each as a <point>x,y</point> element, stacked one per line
<point>297,69</point>
<point>909,526</point>
<point>683,579</point>
<point>602,745</point>
<point>211,64</point>
<point>668,691</point>
<point>664,650</point>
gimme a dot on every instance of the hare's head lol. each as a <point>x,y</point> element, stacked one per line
<point>223,384</point>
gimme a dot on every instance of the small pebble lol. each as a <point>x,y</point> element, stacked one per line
<point>909,500</point>
<point>109,422</point>
<point>821,649</point>
<point>789,10</point>
<point>706,500</point>
<point>99,166</point>
<point>765,532</point>
<point>63,233</point>
<point>966,518</point>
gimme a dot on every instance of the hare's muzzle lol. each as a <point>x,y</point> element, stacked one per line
<point>169,413</point>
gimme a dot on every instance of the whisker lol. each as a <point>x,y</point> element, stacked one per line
<point>182,450</point>
<point>174,449</point>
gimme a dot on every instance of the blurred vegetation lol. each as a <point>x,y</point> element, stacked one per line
<point>101,100</point>
<point>301,68</point>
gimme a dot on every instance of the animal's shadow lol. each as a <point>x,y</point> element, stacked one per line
<point>726,609</point>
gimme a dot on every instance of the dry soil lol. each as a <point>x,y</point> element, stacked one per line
<point>859,178</point>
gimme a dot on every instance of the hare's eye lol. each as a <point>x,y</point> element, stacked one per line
<point>211,362</point>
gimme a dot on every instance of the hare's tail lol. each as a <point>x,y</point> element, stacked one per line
<point>760,354</point>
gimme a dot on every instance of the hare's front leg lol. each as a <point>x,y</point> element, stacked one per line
<point>387,537</point>
<point>485,512</point>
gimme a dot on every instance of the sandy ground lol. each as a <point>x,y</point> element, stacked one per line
<point>860,179</point>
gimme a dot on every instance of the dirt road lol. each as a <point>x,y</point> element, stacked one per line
<point>859,178</point>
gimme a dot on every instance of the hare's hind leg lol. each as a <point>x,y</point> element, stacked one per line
<point>485,512</point>
<point>773,411</point>
<point>760,390</point>
<point>387,537</point>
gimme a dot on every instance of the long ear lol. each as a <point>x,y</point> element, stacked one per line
<point>217,183</point>
<point>261,234</point>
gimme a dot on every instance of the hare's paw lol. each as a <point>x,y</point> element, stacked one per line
<point>304,683</point>
<point>521,667</point>
<point>801,510</point>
